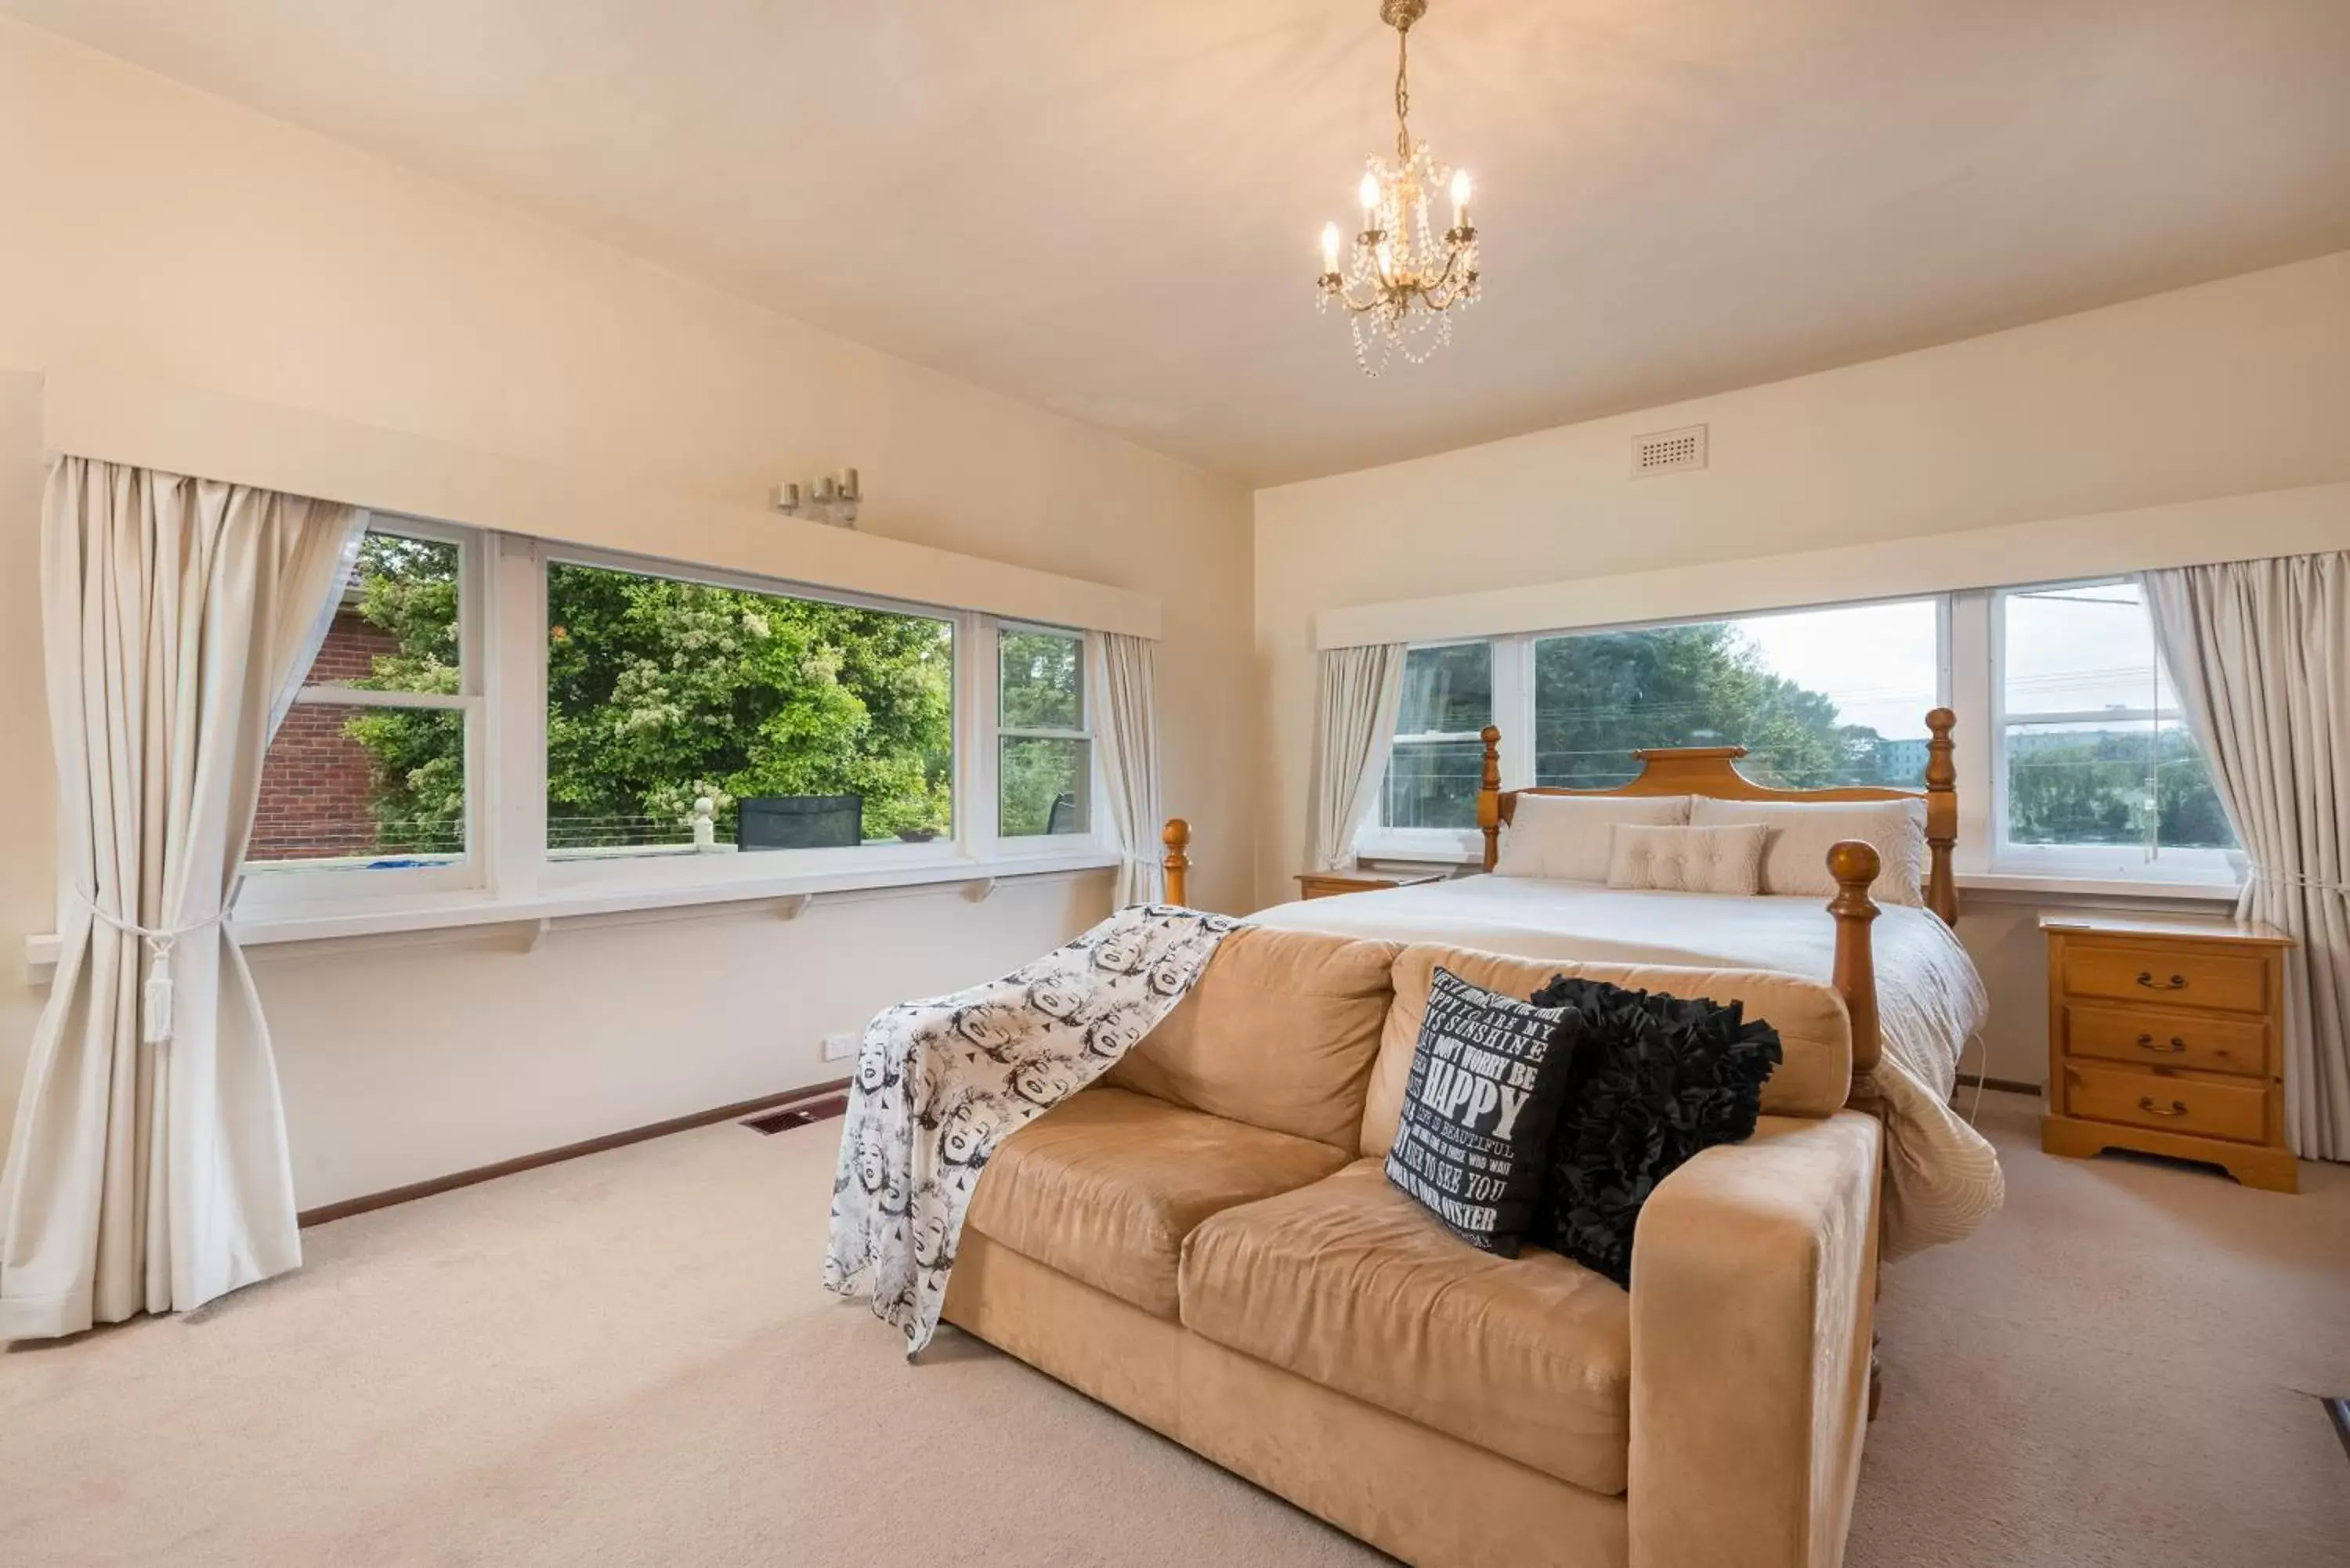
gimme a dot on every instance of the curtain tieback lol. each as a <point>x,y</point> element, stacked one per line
<point>2296,879</point>
<point>155,996</point>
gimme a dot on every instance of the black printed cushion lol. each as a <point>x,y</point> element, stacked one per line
<point>1478,1110</point>
<point>1653,1079</point>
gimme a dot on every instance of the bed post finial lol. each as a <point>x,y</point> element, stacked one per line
<point>1489,795</point>
<point>1855,865</point>
<point>1942,816</point>
<point>1177,864</point>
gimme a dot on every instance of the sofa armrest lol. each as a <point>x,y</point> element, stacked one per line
<point>1753,1277</point>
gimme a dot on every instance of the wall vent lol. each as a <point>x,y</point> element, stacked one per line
<point>1668,451</point>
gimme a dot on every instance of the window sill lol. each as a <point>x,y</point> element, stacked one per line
<point>2026,886</point>
<point>791,893</point>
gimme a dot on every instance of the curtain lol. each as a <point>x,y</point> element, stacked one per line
<point>147,1168</point>
<point>2259,654</point>
<point>1360,698</point>
<point>1130,749</point>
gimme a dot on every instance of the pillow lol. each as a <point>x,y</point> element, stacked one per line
<point>1652,1080</point>
<point>1566,836</point>
<point>1478,1110</point>
<point>1796,859</point>
<point>1689,859</point>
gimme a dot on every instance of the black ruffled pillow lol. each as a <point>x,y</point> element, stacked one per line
<point>1652,1080</point>
<point>1478,1110</point>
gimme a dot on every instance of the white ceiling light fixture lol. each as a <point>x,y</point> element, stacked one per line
<point>1400,288</point>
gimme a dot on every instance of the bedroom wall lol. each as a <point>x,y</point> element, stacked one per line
<point>162,234</point>
<point>2222,390</point>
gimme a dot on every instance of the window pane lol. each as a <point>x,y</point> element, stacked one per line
<point>1044,785</point>
<point>1042,680</point>
<point>386,785</point>
<point>1433,784</point>
<point>395,629</point>
<point>1817,697</point>
<point>2126,782</point>
<point>806,724</point>
<point>2082,649</point>
<point>1448,691</point>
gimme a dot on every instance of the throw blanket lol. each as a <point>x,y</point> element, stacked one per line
<point>941,1083</point>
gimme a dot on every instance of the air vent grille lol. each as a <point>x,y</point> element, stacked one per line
<point>1668,451</point>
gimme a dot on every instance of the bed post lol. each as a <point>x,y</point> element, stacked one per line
<point>1855,865</point>
<point>1942,816</point>
<point>1489,797</point>
<point>1177,864</point>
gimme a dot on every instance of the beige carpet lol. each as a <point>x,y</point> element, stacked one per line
<point>625,1360</point>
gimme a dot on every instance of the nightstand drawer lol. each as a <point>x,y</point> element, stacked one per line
<point>2157,1037</point>
<point>2229,983</point>
<point>2237,1112</point>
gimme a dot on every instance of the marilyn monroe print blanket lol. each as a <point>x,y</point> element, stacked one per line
<point>941,1083</point>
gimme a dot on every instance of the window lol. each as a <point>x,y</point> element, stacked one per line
<point>2097,771</point>
<point>1818,697</point>
<point>1043,750</point>
<point>370,771</point>
<point>1439,760</point>
<point>805,723</point>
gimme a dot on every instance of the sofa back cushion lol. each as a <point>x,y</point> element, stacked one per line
<point>1812,1080</point>
<point>1279,1032</point>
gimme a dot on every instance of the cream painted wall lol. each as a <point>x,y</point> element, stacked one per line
<point>158,233</point>
<point>2223,390</point>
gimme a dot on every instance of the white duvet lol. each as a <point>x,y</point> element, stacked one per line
<point>1942,1178</point>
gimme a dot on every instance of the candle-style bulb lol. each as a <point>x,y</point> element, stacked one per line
<point>1329,247</point>
<point>1370,195</point>
<point>1461,198</point>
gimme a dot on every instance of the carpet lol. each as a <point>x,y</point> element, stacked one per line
<point>625,1359</point>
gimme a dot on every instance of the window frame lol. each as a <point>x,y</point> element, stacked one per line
<point>1015,847</point>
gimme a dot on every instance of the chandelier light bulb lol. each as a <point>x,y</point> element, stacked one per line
<point>1461,198</point>
<point>1371,197</point>
<point>1329,247</point>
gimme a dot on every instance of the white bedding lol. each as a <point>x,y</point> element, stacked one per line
<point>1942,1177</point>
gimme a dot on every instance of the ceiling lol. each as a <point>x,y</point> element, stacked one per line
<point>1112,209</point>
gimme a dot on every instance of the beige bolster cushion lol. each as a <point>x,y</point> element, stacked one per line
<point>1813,1078</point>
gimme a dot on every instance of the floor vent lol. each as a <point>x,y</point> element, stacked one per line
<point>1668,451</point>
<point>799,1116</point>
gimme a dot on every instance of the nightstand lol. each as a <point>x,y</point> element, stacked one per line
<point>1330,884</point>
<point>2166,1036</point>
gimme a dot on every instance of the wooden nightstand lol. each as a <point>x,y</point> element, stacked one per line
<point>2166,1036</point>
<point>1330,884</point>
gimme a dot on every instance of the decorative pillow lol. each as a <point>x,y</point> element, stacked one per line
<point>1689,859</point>
<point>1653,1079</point>
<point>1796,858</point>
<point>1566,836</point>
<point>1478,1110</point>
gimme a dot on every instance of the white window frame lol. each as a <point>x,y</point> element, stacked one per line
<point>273,888</point>
<point>991,700</point>
<point>2086,862</point>
<point>1377,841</point>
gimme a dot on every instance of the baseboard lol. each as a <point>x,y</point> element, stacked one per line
<point>2006,1086</point>
<point>327,1213</point>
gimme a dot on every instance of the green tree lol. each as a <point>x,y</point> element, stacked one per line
<point>407,587</point>
<point>2102,786</point>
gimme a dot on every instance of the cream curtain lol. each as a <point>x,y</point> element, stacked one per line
<point>1360,698</point>
<point>2259,654</point>
<point>1127,728</point>
<point>147,1166</point>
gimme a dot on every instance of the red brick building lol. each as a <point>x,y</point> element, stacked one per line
<point>314,783</point>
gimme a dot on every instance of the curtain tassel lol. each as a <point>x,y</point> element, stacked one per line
<point>155,997</point>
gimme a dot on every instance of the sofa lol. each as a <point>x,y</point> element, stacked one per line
<point>1206,1241</point>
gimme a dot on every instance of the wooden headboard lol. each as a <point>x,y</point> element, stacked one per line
<point>1712,771</point>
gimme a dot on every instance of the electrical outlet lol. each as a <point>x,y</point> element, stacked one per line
<point>839,1047</point>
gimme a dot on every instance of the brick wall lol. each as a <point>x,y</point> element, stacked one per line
<point>314,787</point>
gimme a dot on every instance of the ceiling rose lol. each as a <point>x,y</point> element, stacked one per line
<point>1400,286</point>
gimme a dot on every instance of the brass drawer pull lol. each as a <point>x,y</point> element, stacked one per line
<point>2146,979</point>
<point>2145,1043</point>
<point>2145,1102</point>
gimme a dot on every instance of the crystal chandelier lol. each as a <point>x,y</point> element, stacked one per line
<point>1399,287</point>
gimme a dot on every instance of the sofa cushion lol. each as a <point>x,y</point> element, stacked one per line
<point>1279,1032</point>
<point>1813,1078</point>
<point>1351,1285</point>
<point>1105,1186</point>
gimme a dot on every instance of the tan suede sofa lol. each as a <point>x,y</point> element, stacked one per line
<point>1206,1241</point>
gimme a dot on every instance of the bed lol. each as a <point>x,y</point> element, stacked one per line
<point>1913,995</point>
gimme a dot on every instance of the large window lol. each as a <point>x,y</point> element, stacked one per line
<point>370,768</point>
<point>1044,749</point>
<point>2098,770</point>
<point>1439,760</point>
<point>804,723</point>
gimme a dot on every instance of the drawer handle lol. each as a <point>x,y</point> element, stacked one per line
<point>2176,981</point>
<point>2145,1043</point>
<point>2176,1108</point>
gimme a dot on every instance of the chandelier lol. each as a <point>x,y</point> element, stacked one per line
<point>1400,286</point>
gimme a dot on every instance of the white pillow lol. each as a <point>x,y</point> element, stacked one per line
<point>1689,859</point>
<point>1796,858</point>
<point>1564,836</point>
